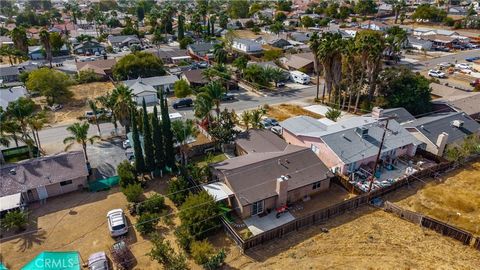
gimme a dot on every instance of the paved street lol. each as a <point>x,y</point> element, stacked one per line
<point>459,57</point>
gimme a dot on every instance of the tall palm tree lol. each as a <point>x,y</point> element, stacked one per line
<point>215,91</point>
<point>37,122</point>
<point>246,117</point>
<point>45,39</point>
<point>93,107</point>
<point>79,133</point>
<point>21,110</point>
<point>203,106</point>
<point>314,44</point>
<point>108,102</point>
<point>182,131</point>
<point>329,52</point>
<point>256,118</point>
<point>219,53</point>
<point>123,105</point>
<point>20,40</point>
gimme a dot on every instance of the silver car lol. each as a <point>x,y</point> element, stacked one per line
<point>117,223</point>
<point>98,261</point>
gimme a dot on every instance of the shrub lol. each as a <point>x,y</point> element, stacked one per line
<point>199,214</point>
<point>154,204</point>
<point>133,192</point>
<point>17,220</point>
<point>333,114</point>
<point>178,190</point>
<point>126,174</point>
<point>163,253</point>
<point>201,251</point>
<point>87,76</point>
<point>184,238</point>
<point>146,223</point>
<point>216,261</point>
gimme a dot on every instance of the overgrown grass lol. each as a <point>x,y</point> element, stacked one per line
<point>285,111</point>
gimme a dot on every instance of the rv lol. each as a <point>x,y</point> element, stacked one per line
<point>299,77</point>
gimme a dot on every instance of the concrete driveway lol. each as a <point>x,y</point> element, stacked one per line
<point>105,156</point>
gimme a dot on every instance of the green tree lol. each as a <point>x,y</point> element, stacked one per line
<point>284,5</point>
<point>184,42</point>
<point>79,132</point>
<point>181,27</point>
<point>272,54</point>
<point>56,42</point>
<point>333,114</point>
<point>20,40</point>
<point>138,64</point>
<point>223,130</point>
<point>167,133</point>
<point>275,74</point>
<point>163,253</point>
<point>365,7</point>
<point>36,123</point>
<point>148,140</point>
<point>87,76</point>
<point>182,131</point>
<point>276,28</point>
<point>137,146</point>
<point>93,107</point>
<point>178,189</point>
<point>158,140</point>
<point>21,111</point>
<point>329,53</point>
<point>219,53</point>
<point>154,204</point>
<point>238,9</point>
<point>307,21</point>
<point>240,62</point>
<point>146,223</point>
<point>50,83</point>
<point>215,91</point>
<point>123,105</point>
<point>46,42</point>
<point>201,251</point>
<point>202,106</point>
<point>430,13</point>
<point>126,174</point>
<point>133,192</point>
<point>16,220</point>
<point>199,213</point>
<point>182,89</point>
<point>314,45</point>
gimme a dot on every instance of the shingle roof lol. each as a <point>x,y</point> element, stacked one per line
<point>399,114</point>
<point>140,87</point>
<point>9,71</point>
<point>116,39</point>
<point>8,95</point>
<point>466,103</point>
<point>260,140</point>
<point>252,177</point>
<point>153,81</point>
<point>433,125</point>
<point>99,66</point>
<point>201,47</point>
<point>300,60</point>
<point>43,171</point>
<point>195,76</point>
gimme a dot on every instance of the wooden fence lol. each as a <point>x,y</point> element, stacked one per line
<point>447,230</point>
<point>403,213</point>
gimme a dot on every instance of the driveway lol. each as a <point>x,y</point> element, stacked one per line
<point>105,156</point>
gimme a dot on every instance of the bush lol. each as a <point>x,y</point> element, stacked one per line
<point>87,76</point>
<point>126,174</point>
<point>199,214</point>
<point>184,238</point>
<point>17,220</point>
<point>201,251</point>
<point>178,190</point>
<point>146,223</point>
<point>133,192</point>
<point>216,261</point>
<point>164,254</point>
<point>333,114</point>
<point>154,204</point>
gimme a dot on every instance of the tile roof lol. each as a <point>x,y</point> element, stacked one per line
<point>42,171</point>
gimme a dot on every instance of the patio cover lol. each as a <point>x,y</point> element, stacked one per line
<point>10,202</point>
<point>49,260</point>
<point>218,190</point>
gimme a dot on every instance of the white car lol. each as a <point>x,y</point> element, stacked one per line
<point>117,223</point>
<point>126,144</point>
<point>436,73</point>
<point>98,261</point>
<point>444,65</point>
<point>463,66</point>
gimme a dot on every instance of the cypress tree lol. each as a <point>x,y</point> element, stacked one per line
<point>139,161</point>
<point>208,27</point>
<point>167,133</point>
<point>158,140</point>
<point>147,140</point>
<point>180,30</point>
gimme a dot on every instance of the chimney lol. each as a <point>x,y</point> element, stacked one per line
<point>441,143</point>
<point>377,112</point>
<point>282,189</point>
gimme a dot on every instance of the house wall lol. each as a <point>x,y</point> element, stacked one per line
<point>299,193</point>
<point>57,189</point>
<point>430,147</point>
<point>149,98</point>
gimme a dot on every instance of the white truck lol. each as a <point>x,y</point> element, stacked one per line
<point>299,77</point>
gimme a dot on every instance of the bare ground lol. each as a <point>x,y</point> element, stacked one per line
<point>285,111</point>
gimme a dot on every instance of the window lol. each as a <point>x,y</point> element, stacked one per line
<point>64,183</point>
<point>316,185</point>
<point>257,207</point>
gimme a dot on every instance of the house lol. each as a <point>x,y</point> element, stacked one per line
<point>246,45</point>
<point>194,78</point>
<point>102,67</point>
<point>440,130</point>
<point>9,74</point>
<point>11,94</point>
<point>384,9</point>
<point>201,50</point>
<point>142,91</point>
<point>302,61</point>
<point>269,173</point>
<point>36,53</point>
<point>88,48</point>
<point>171,55</point>
<point>5,40</point>
<point>164,83</point>
<point>267,13</point>
<point>44,177</point>
<point>399,114</point>
<point>419,44</point>
<point>346,145</point>
<point>279,43</point>
<point>123,41</point>
<point>301,36</point>
<point>442,40</point>
<point>458,101</point>
<point>374,25</point>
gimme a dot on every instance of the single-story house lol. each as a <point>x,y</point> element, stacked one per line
<point>301,61</point>
<point>171,55</point>
<point>399,114</point>
<point>268,13</point>
<point>374,25</point>
<point>269,173</point>
<point>201,50</point>
<point>122,41</point>
<point>301,36</point>
<point>164,83</point>
<point>468,103</point>
<point>44,177</point>
<point>246,45</point>
<point>9,74</point>
<point>442,40</point>
<point>195,77</point>
<point>102,67</point>
<point>440,130</point>
<point>11,94</point>
<point>346,145</point>
<point>88,47</point>
<point>279,43</point>
<point>142,91</point>
<point>419,44</point>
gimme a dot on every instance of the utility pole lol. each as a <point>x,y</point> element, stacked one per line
<point>372,177</point>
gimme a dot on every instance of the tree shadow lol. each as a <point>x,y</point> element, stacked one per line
<point>26,241</point>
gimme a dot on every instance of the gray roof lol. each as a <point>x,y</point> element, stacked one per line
<point>399,114</point>
<point>9,71</point>
<point>201,47</point>
<point>11,94</point>
<point>260,140</point>
<point>342,137</point>
<point>465,103</point>
<point>121,39</point>
<point>252,177</point>
<point>153,81</point>
<point>140,87</point>
<point>246,41</point>
<point>433,125</point>
<point>42,171</point>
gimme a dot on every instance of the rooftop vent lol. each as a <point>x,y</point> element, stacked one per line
<point>13,171</point>
<point>457,123</point>
<point>362,131</point>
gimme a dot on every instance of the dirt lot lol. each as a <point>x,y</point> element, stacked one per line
<point>362,239</point>
<point>455,200</point>
<point>77,105</point>
<point>285,111</point>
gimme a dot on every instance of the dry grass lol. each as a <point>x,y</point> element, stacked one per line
<point>455,201</point>
<point>285,111</point>
<point>247,34</point>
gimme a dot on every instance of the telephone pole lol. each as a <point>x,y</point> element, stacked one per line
<point>372,177</point>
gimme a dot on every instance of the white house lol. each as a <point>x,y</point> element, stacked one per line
<point>247,45</point>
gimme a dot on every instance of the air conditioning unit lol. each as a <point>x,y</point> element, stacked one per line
<point>362,131</point>
<point>457,123</point>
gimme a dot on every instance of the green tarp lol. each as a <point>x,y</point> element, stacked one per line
<point>103,184</point>
<point>50,260</point>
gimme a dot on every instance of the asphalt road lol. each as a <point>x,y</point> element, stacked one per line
<point>459,57</point>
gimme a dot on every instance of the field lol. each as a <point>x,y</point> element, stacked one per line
<point>455,200</point>
<point>285,111</point>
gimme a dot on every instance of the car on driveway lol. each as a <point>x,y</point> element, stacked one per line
<point>445,65</point>
<point>98,261</point>
<point>436,73</point>
<point>463,66</point>
<point>183,102</point>
<point>228,96</point>
<point>117,223</point>
<point>269,122</point>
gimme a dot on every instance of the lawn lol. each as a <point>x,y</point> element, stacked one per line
<point>285,111</point>
<point>204,160</point>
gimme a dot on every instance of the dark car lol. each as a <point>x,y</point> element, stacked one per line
<point>183,102</point>
<point>471,59</point>
<point>228,96</point>
<point>442,49</point>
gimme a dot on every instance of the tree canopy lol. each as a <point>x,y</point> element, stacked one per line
<point>365,7</point>
<point>52,84</point>
<point>238,9</point>
<point>138,64</point>
<point>430,13</point>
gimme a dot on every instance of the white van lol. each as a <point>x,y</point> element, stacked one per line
<point>299,77</point>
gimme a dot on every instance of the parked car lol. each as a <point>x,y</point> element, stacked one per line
<point>442,49</point>
<point>471,59</point>
<point>183,102</point>
<point>463,66</point>
<point>98,261</point>
<point>126,144</point>
<point>100,113</point>
<point>458,47</point>
<point>436,73</point>
<point>117,223</point>
<point>202,65</point>
<point>228,96</point>
<point>471,46</point>
<point>269,122</point>
<point>445,65</point>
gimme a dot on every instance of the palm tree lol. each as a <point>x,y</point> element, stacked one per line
<point>394,41</point>
<point>182,131</point>
<point>45,39</point>
<point>108,102</point>
<point>246,117</point>
<point>20,40</point>
<point>329,52</point>
<point>37,122</point>
<point>314,44</point>
<point>123,105</point>
<point>256,118</point>
<point>93,106</point>
<point>21,110</point>
<point>275,74</point>
<point>219,53</point>
<point>202,106</point>
<point>215,92</point>
<point>79,133</point>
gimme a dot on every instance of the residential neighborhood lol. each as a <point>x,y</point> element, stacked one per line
<point>239,134</point>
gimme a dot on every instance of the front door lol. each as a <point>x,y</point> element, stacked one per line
<point>257,208</point>
<point>42,193</point>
